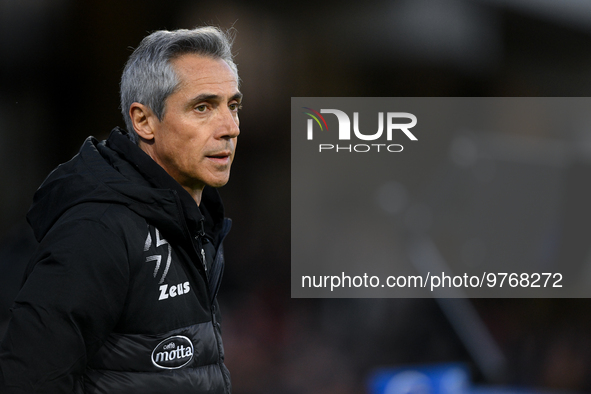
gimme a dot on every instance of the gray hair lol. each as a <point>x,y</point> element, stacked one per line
<point>149,78</point>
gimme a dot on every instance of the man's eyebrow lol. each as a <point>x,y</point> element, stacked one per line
<point>205,97</point>
<point>214,97</point>
<point>238,97</point>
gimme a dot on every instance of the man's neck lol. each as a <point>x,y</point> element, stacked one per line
<point>195,193</point>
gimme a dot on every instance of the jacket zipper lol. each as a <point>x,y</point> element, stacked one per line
<point>199,239</point>
<point>187,232</point>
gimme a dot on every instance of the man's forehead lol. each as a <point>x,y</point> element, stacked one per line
<point>204,70</point>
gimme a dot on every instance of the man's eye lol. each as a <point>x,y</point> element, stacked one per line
<point>201,108</point>
<point>235,107</point>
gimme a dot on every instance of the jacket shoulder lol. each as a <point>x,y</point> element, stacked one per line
<point>115,218</point>
<point>97,226</point>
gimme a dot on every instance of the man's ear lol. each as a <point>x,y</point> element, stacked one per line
<point>143,120</point>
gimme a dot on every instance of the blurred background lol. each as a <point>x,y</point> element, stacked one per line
<point>60,64</point>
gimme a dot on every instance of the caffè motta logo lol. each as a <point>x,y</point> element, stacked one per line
<point>395,123</point>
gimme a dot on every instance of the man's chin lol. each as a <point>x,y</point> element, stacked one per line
<point>218,182</point>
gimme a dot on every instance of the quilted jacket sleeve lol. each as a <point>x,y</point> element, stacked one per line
<point>71,300</point>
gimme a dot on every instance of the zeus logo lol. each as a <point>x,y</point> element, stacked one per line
<point>174,290</point>
<point>345,124</point>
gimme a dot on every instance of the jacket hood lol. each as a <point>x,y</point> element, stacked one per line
<point>116,171</point>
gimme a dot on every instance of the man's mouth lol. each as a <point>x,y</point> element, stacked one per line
<point>220,157</point>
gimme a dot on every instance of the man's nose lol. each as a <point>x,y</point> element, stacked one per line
<point>230,124</point>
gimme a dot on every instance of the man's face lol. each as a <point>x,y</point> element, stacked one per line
<point>196,139</point>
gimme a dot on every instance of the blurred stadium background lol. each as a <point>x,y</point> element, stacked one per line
<point>60,64</point>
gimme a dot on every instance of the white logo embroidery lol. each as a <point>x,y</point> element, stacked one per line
<point>172,353</point>
<point>174,290</point>
<point>166,291</point>
<point>157,257</point>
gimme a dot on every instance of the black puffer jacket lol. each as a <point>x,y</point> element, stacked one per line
<point>118,298</point>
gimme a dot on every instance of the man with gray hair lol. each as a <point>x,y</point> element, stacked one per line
<point>120,296</point>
